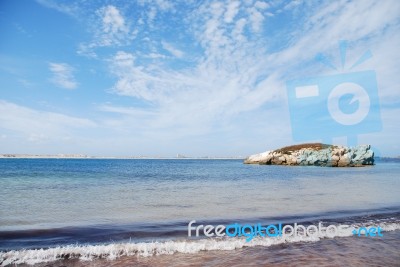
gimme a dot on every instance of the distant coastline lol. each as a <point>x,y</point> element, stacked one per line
<point>81,156</point>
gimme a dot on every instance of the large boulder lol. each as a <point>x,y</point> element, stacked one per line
<point>256,158</point>
<point>316,154</point>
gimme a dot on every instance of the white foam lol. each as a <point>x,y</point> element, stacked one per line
<point>113,251</point>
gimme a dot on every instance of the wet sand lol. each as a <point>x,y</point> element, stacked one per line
<point>345,251</point>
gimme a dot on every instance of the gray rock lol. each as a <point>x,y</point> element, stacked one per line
<point>316,154</point>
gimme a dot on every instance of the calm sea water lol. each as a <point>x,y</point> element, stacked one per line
<point>116,212</point>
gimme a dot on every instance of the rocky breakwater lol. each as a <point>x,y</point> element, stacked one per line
<point>316,154</point>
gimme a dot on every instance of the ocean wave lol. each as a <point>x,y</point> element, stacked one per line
<point>116,250</point>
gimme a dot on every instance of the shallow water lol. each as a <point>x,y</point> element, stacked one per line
<point>40,193</point>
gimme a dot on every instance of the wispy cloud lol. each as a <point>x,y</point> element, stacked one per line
<point>111,29</point>
<point>231,11</point>
<point>37,125</point>
<point>256,14</point>
<point>172,50</point>
<point>63,75</point>
<point>66,8</point>
<point>114,29</point>
<point>154,7</point>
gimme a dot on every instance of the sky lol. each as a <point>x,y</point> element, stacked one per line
<point>197,78</point>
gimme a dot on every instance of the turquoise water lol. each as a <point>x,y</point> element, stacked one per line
<point>57,202</point>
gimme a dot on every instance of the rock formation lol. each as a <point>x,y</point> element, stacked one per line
<point>316,154</point>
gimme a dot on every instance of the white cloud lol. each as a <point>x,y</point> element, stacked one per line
<point>172,50</point>
<point>191,101</point>
<point>111,30</point>
<point>115,31</point>
<point>153,9</point>
<point>151,15</point>
<point>63,75</point>
<point>227,80</point>
<point>132,80</point>
<point>155,55</point>
<point>292,4</point>
<point>232,11</point>
<point>37,125</point>
<point>113,22</point>
<point>125,110</point>
<point>69,9</point>
<point>237,33</point>
<point>256,18</point>
<point>261,5</point>
<point>164,4</point>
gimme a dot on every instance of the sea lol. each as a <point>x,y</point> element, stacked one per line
<point>136,212</point>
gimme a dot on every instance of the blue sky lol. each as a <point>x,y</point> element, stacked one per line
<point>157,78</point>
